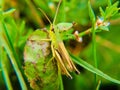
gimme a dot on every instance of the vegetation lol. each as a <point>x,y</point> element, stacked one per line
<point>32,38</point>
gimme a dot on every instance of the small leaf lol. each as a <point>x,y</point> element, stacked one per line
<point>102,12</point>
<point>9,11</point>
<point>22,27</point>
<point>111,10</point>
<point>104,28</point>
<point>109,3</point>
<point>93,69</point>
<point>91,12</point>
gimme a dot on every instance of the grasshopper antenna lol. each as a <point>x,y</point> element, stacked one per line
<point>57,11</point>
<point>45,15</point>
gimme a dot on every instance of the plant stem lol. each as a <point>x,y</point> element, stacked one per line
<point>88,31</point>
<point>94,50</point>
<point>60,78</point>
<point>71,36</point>
<point>61,82</point>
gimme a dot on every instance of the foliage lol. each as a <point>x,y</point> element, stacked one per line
<point>26,59</point>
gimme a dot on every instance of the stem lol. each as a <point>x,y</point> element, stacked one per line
<point>61,82</point>
<point>71,36</point>
<point>94,50</point>
<point>60,78</point>
<point>88,31</point>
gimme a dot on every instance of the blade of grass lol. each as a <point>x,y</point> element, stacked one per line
<point>4,69</point>
<point>6,43</point>
<point>13,24</point>
<point>8,12</point>
<point>92,69</point>
<point>98,85</point>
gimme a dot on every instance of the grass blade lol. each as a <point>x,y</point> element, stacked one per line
<point>6,43</point>
<point>4,69</point>
<point>93,69</point>
<point>98,85</point>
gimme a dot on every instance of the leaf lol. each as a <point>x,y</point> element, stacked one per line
<point>9,49</point>
<point>102,12</point>
<point>22,27</point>
<point>109,3</point>
<point>104,28</point>
<point>39,70</point>
<point>111,10</point>
<point>5,71</point>
<point>93,69</point>
<point>91,12</point>
<point>11,10</point>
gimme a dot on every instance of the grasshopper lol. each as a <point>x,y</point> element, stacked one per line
<point>59,51</point>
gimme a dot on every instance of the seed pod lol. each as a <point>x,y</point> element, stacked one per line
<point>42,74</point>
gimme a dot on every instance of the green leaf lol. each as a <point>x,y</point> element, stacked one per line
<point>39,70</point>
<point>91,12</point>
<point>93,69</point>
<point>111,10</point>
<point>9,49</point>
<point>104,28</point>
<point>5,71</point>
<point>22,27</point>
<point>102,12</point>
<point>11,10</point>
<point>109,3</point>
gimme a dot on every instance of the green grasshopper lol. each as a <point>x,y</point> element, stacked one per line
<point>59,51</point>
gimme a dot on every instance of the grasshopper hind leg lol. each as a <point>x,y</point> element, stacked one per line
<point>60,63</point>
<point>74,67</point>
